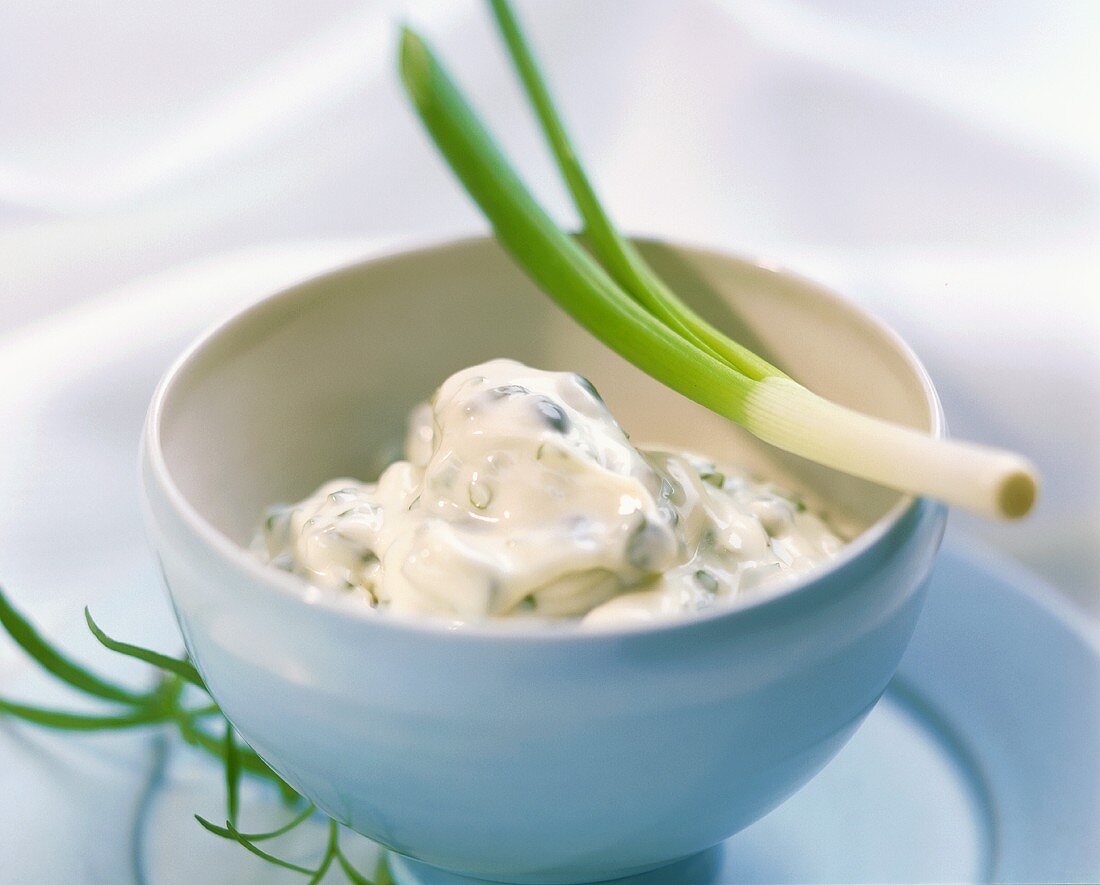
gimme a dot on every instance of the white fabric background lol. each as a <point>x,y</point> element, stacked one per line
<point>938,162</point>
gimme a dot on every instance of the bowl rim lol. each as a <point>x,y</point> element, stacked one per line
<point>297,590</point>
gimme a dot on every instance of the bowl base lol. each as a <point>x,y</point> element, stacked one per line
<point>699,867</point>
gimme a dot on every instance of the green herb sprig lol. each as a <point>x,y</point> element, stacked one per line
<point>198,723</point>
<point>616,296</point>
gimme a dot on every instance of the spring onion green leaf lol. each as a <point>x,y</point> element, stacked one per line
<point>551,258</point>
<point>305,814</point>
<point>625,264</point>
<point>358,878</point>
<point>247,758</point>
<point>66,721</point>
<point>51,660</point>
<point>259,852</point>
<point>232,774</point>
<point>211,827</point>
<point>382,874</point>
<point>331,850</point>
<point>182,668</point>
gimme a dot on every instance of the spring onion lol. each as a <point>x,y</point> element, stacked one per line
<point>624,304</point>
<point>615,252</point>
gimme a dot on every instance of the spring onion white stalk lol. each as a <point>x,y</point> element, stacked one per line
<point>631,311</point>
<point>985,480</point>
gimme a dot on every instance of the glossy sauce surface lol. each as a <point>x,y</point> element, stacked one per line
<point>521,496</point>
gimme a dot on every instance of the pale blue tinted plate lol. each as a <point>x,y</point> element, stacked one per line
<point>981,762</point>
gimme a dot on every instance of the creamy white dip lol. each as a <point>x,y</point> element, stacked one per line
<point>521,495</point>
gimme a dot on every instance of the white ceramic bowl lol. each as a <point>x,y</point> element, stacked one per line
<point>511,751</point>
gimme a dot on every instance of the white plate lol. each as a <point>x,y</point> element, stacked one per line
<point>981,762</point>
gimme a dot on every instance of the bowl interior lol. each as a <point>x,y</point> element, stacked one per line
<point>316,382</point>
